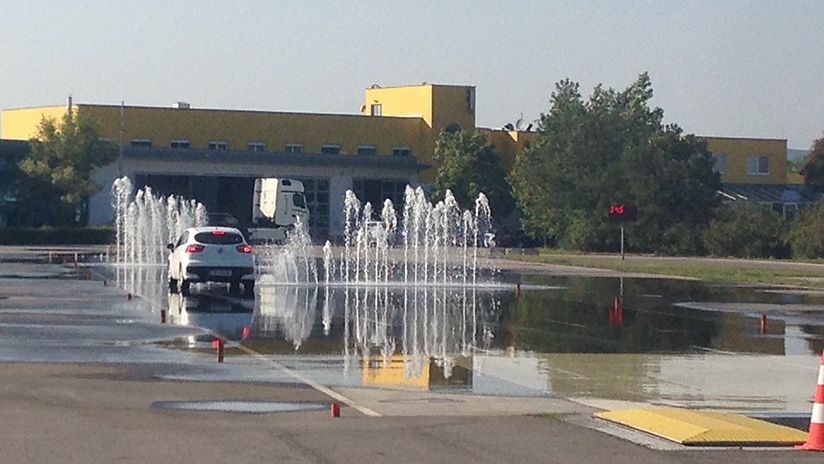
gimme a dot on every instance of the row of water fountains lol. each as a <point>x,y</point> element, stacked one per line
<point>429,245</point>
<point>404,284</point>
<point>144,224</point>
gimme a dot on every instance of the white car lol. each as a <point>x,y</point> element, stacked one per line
<point>211,254</point>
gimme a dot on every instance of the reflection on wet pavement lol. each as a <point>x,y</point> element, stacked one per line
<point>707,380</point>
<point>594,339</point>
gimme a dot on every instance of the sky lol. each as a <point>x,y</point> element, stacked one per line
<point>726,68</point>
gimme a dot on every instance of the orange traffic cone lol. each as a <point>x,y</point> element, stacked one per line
<point>815,440</point>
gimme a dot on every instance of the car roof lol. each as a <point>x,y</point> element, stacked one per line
<point>198,230</point>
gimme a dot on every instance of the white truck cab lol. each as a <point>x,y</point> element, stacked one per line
<point>276,207</point>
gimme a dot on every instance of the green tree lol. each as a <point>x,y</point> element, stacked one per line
<point>813,171</point>
<point>10,155</point>
<point>748,231</point>
<point>59,165</point>
<point>806,238</point>
<point>614,148</point>
<point>468,165</point>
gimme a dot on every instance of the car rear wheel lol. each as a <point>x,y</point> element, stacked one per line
<point>184,287</point>
<point>172,285</point>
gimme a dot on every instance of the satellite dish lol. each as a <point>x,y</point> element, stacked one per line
<point>520,124</point>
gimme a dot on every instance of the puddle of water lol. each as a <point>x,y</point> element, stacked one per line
<point>236,406</point>
<point>647,340</point>
<point>709,381</point>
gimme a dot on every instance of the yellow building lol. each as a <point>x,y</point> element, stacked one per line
<point>749,160</point>
<point>396,121</point>
<point>755,170</point>
<point>214,154</point>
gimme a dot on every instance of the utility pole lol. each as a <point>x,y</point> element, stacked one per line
<point>622,242</point>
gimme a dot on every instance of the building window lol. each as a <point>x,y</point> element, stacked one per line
<point>720,165</point>
<point>377,109</point>
<point>401,151</point>
<point>758,165</point>
<point>316,194</point>
<point>790,211</point>
<point>257,146</point>
<point>145,143</point>
<point>787,210</point>
<point>370,150</point>
<point>218,145</point>
<point>330,149</point>
<point>293,148</point>
<point>376,191</point>
<point>180,143</point>
<point>470,99</point>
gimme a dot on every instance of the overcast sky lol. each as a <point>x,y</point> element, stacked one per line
<point>731,68</point>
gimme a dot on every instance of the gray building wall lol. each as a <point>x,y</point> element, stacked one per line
<point>341,170</point>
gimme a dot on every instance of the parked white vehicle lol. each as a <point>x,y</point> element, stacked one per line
<point>211,254</point>
<point>276,207</point>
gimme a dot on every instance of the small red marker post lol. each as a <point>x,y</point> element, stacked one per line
<point>162,315</point>
<point>219,344</point>
<point>335,409</point>
<point>763,327</point>
<point>517,290</point>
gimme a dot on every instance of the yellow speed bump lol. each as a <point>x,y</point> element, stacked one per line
<point>705,428</point>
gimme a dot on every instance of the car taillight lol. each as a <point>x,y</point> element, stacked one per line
<point>244,248</point>
<point>195,248</point>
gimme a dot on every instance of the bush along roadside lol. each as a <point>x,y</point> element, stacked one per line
<point>56,236</point>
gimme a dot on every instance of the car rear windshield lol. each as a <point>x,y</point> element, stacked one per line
<point>226,238</point>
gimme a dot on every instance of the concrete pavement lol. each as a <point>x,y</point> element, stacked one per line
<point>101,408</point>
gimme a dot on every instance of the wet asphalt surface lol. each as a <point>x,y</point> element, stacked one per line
<point>85,368</point>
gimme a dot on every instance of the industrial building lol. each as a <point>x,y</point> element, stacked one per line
<point>214,155</point>
<point>755,170</point>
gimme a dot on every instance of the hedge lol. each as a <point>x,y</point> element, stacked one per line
<point>57,236</point>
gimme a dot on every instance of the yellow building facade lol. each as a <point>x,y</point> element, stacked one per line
<point>394,121</point>
<point>749,160</point>
<point>236,130</point>
<point>397,128</point>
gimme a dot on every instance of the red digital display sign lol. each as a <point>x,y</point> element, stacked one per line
<point>622,213</point>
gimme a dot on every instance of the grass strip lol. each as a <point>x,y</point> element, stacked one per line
<point>790,273</point>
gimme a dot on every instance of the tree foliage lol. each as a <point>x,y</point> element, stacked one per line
<point>805,234</point>
<point>468,165</point>
<point>814,169</point>
<point>59,165</point>
<point>748,231</point>
<point>611,149</point>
